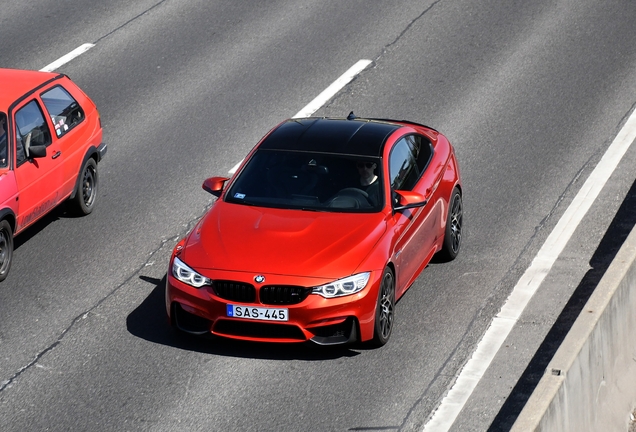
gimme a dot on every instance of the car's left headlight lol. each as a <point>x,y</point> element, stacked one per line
<point>343,287</point>
<point>185,274</point>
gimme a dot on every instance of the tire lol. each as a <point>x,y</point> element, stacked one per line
<point>453,234</point>
<point>86,193</point>
<point>6,248</point>
<point>384,310</point>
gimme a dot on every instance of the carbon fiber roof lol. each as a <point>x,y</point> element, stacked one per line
<point>331,135</point>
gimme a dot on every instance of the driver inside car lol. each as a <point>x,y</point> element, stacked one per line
<point>369,181</point>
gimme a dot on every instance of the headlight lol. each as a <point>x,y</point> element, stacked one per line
<point>343,287</point>
<point>186,275</point>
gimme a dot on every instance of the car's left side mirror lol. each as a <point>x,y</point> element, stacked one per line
<point>37,151</point>
<point>214,185</point>
<point>408,199</point>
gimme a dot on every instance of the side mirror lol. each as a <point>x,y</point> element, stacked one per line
<point>408,199</point>
<point>214,185</point>
<point>37,151</point>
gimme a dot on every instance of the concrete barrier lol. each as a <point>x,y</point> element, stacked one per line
<point>590,384</point>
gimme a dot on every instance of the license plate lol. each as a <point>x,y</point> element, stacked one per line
<point>257,313</point>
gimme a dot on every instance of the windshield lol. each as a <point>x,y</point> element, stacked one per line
<point>310,181</point>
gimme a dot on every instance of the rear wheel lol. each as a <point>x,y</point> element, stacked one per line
<point>86,192</point>
<point>453,233</point>
<point>6,248</point>
<point>385,309</point>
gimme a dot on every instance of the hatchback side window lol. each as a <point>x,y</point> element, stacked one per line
<point>65,112</point>
<point>31,130</point>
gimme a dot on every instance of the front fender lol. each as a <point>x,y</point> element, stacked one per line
<point>96,153</point>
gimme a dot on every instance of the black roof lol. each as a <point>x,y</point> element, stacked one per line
<point>331,135</point>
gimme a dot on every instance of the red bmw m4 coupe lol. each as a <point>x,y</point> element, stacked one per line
<point>325,224</point>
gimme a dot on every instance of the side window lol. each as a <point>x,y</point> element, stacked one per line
<point>65,112</point>
<point>403,168</point>
<point>31,130</point>
<point>4,151</point>
<point>20,156</point>
<point>422,151</point>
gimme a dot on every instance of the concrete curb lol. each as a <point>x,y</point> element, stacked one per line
<point>590,384</point>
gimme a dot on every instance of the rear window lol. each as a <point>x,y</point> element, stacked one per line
<point>65,112</point>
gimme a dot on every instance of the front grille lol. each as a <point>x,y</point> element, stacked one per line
<point>282,294</point>
<point>235,291</point>
<point>258,330</point>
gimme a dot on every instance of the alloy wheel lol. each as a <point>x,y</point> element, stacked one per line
<point>456,222</point>
<point>386,306</point>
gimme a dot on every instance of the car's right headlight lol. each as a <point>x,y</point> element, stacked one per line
<point>188,276</point>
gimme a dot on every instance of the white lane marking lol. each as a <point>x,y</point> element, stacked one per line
<point>327,94</point>
<point>334,88</point>
<point>504,321</point>
<point>235,167</point>
<point>68,57</point>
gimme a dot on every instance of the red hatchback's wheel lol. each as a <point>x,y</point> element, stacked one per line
<point>86,192</point>
<point>385,309</point>
<point>6,249</point>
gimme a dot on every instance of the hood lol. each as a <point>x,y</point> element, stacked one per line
<point>236,237</point>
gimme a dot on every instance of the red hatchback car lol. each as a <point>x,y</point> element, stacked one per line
<point>324,226</point>
<point>50,144</point>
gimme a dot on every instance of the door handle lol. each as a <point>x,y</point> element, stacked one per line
<point>56,154</point>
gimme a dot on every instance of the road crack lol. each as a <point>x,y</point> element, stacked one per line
<point>83,315</point>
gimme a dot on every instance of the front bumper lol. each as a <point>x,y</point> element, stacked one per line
<point>323,321</point>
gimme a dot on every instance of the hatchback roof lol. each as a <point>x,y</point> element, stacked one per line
<point>16,83</point>
<point>355,136</point>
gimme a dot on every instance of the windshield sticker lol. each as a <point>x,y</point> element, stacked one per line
<point>239,196</point>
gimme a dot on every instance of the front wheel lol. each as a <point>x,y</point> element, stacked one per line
<point>86,192</point>
<point>453,233</point>
<point>6,249</point>
<point>385,309</point>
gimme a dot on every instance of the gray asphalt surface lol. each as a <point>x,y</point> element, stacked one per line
<point>530,93</point>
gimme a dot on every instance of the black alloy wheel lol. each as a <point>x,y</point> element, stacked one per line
<point>385,309</point>
<point>453,233</point>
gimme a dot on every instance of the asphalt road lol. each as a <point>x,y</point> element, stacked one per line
<point>530,93</point>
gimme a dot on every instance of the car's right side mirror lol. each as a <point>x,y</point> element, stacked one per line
<point>408,199</point>
<point>214,185</point>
